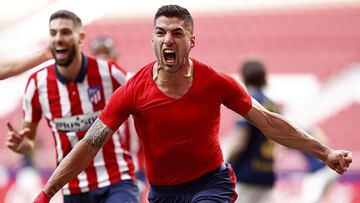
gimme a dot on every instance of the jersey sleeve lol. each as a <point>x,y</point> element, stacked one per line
<point>31,105</point>
<point>235,97</point>
<point>118,109</point>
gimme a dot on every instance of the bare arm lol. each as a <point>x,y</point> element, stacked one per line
<point>79,157</point>
<point>277,128</point>
<point>14,66</point>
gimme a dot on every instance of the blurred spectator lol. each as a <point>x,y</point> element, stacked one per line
<point>252,155</point>
<point>104,48</point>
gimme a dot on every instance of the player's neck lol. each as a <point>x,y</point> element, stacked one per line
<point>71,72</point>
<point>174,85</point>
<point>185,72</point>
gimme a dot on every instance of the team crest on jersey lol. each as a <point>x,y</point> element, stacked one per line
<point>94,94</point>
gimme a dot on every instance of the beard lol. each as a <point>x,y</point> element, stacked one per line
<point>65,62</point>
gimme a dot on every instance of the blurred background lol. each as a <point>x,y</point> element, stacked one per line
<point>310,48</point>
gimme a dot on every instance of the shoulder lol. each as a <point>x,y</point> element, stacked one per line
<point>209,71</point>
<point>143,75</point>
<point>102,63</point>
<point>42,73</point>
<point>91,58</point>
<point>41,77</point>
<point>135,86</point>
<point>202,67</point>
<point>94,62</point>
<point>206,73</point>
<point>135,83</point>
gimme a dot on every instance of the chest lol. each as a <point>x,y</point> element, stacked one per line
<point>60,100</point>
<point>199,104</point>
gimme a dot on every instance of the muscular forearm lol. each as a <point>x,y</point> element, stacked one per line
<point>283,132</point>
<point>76,161</point>
<point>277,128</point>
<point>79,157</point>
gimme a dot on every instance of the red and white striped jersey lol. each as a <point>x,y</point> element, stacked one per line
<point>70,109</point>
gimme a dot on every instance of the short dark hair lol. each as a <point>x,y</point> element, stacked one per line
<point>67,15</point>
<point>176,11</point>
<point>253,72</point>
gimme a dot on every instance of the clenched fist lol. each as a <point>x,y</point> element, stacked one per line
<point>339,160</point>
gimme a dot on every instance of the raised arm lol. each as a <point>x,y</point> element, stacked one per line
<point>277,128</point>
<point>13,66</point>
<point>78,159</point>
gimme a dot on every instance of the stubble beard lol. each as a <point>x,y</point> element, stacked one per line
<point>65,63</point>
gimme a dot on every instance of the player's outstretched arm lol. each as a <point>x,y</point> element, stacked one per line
<point>77,160</point>
<point>277,128</point>
<point>13,66</point>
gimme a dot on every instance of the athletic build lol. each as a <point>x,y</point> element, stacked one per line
<point>70,94</point>
<point>178,82</point>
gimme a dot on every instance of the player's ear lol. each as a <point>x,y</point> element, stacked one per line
<point>82,37</point>
<point>192,41</point>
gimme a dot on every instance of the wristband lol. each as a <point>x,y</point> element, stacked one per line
<point>42,198</point>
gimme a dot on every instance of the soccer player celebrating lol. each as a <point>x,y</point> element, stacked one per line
<point>70,94</point>
<point>175,102</point>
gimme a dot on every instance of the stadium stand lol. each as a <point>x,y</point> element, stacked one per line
<point>320,42</point>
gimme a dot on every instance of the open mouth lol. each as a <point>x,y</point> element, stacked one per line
<point>61,53</point>
<point>169,56</point>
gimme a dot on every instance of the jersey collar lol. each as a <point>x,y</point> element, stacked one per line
<point>81,75</point>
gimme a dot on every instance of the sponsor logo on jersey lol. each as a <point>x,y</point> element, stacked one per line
<point>76,123</point>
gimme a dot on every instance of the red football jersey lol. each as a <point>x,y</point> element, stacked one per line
<point>180,137</point>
